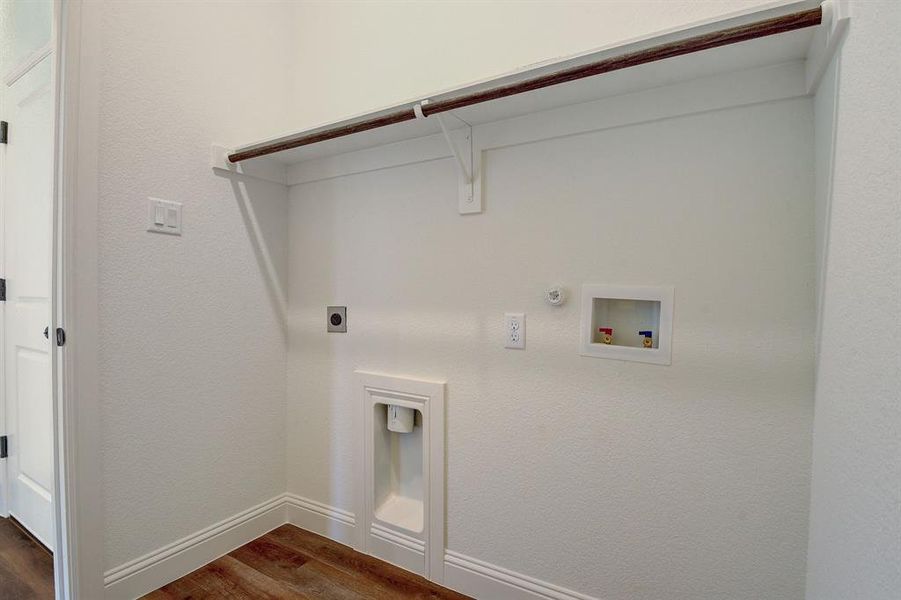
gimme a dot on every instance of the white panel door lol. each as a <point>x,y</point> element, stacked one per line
<point>28,173</point>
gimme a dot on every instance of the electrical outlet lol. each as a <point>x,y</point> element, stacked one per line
<point>336,319</point>
<point>515,330</point>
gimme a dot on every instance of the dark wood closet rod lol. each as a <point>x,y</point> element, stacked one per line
<point>724,37</point>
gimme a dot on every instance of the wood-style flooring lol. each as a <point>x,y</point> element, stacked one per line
<point>26,567</point>
<point>290,563</point>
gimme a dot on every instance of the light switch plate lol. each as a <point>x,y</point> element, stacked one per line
<point>163,216</point>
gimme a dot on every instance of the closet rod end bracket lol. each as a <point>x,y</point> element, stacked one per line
<point>826,40</point>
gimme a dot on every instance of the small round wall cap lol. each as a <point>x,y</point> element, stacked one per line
<point>555,295</point>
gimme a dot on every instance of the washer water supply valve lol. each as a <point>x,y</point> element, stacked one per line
<point>648,340</point>
<point>606,335</point>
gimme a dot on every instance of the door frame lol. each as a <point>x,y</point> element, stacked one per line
<point>78,561</point>
<point>64,556</point>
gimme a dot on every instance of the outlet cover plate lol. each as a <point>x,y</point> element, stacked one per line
<point>515,331</point>
<point>336,319</point>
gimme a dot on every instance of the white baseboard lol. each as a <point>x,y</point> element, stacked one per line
<point>462,573</point>
<point>155,569</point>
<point>465,574</point>
<point>334,523</point>
<point>483,580</point>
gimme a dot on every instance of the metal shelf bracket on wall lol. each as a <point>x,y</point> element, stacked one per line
<point>469,201</point>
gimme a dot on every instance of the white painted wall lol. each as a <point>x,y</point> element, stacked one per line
<point>855,520</point>
<point>192,356</point>
<point>692,478</point>
<point>352,57</point>
<point>620,480</point>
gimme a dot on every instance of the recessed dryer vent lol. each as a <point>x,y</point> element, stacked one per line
<point>397,468</point>
<point>402,495</point>
<point>627,322</point>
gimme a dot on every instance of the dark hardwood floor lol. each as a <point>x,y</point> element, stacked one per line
<point>290,563</point>
<point>26,567</point>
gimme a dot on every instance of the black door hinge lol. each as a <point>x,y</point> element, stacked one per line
<point>4,132</point>
<point>4,448</point>
<point>60,336</point>
<point>2,290</point>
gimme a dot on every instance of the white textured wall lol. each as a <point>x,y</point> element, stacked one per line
<point>352,57</point>
<point>192,357</point>
<point>622,480</point>
<point>855,521</point>
<point>640,481</point>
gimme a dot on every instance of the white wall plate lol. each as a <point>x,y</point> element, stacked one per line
<point>163,216</point>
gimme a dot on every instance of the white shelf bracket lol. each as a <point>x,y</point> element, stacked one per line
<point>266,168</point>
<point>469,201</point>
<point>824,46</point>
<point>465,172</point>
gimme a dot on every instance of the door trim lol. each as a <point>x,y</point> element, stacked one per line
<point>4,480</point>
<point>78,562</point>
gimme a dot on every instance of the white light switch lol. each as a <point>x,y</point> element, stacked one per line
<point>164,216</point>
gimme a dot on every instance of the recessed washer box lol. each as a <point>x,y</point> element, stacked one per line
<point>627,322</point>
